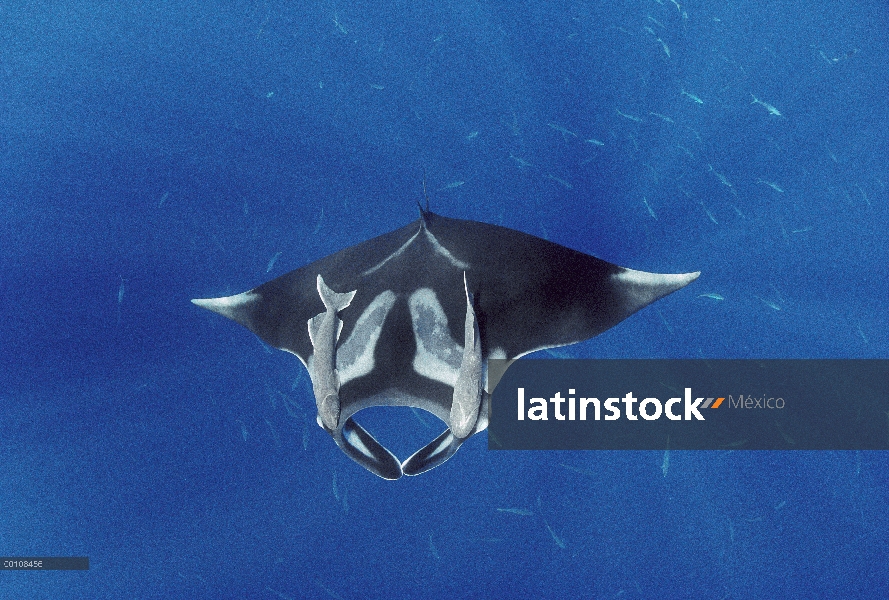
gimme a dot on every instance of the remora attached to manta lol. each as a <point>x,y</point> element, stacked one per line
<point>410,318</point>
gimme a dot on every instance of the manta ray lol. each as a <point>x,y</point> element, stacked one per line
<point>411,317</point>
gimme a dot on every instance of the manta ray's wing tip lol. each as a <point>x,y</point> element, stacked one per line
<point>689,277</point>
<point>662,281</point>
<point>234,307</point>
<point>639,289</point>
<point>217,305</point>
<point>204,302</point>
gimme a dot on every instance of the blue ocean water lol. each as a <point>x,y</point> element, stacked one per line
<point>157,152</point>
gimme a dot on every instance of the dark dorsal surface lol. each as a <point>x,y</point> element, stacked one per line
<point>402,336</point>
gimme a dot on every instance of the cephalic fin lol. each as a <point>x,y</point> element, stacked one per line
<point>433,454</point>
<point>361,447</point>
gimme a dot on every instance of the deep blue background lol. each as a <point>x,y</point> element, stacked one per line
<point>151,153</point>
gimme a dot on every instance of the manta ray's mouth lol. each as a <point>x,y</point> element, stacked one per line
<point>359,445</point>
